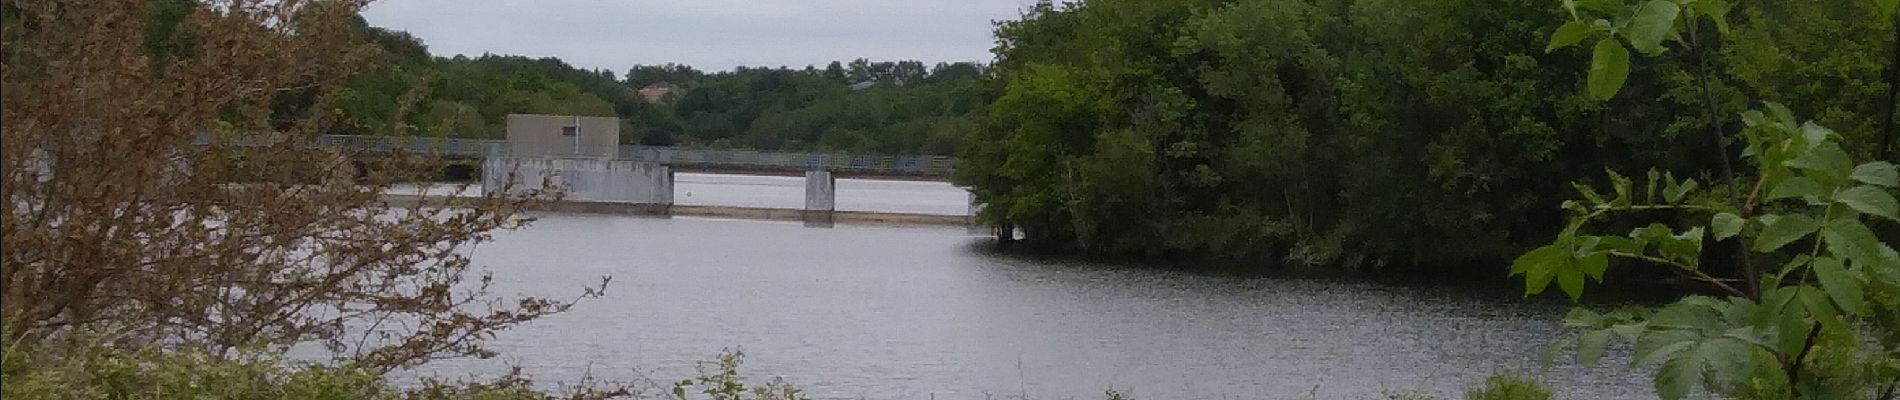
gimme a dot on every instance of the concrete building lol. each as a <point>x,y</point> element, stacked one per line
<point>563,136</point>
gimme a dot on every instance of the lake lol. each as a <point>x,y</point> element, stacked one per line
<point>883,312</point>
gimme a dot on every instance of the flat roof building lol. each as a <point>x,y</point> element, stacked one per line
<point>563,136</point>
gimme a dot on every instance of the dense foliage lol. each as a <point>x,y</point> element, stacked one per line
<point>1369,133</point>
<point>1813,307</point>
<point>1808,304</point>
<point>908,108</point>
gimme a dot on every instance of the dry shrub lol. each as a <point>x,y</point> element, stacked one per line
<point>120,222</point>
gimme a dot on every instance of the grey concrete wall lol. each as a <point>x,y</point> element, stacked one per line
<point>821,191</point>
<point>583,179</point>
<point>531,135</point>
<point>821,198</point>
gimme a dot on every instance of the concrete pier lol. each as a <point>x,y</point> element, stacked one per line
<point>821,196</point>
<point>582,179</point>
<point>975,209</point>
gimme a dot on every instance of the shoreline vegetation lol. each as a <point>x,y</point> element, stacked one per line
<point>1380,136</point>
<point>144,373</point>
<point>1465,139</point>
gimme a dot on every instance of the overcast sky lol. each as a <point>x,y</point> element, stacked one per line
<point>710,35</point>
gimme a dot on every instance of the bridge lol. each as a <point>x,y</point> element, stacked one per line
<point>921,167</point>
<point>639,179</point>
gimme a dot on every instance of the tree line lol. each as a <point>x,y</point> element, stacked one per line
<point>1376,134</point>
<point>900,107</point>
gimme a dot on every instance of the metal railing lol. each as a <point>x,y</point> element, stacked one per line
<point>754,159</point>
<point>685,157</point>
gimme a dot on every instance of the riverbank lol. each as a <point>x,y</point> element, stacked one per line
<point>1637,285</point>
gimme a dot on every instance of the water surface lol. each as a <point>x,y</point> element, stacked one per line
<point>921,313</point>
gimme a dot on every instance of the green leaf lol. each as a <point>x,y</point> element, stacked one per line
<point>1683,248</point>
<point>1755,118</point>
<point>1783,115</point>
<point>1871,200</point>
<point>1815,134</point>
<point>1888,270</point>
<point>1649,194</point>
<point>1609,67</point>
<point>1590,346</point>
<point>1536,281</point>
<point>1538,267</point>
<point>1880,173</point>
<point>1796,187</point>
<point>1853,241</point>
<point>1730,359</point>
<point>1539,258</point>
<point>1791,334</point>
<point>1841,285</point>
<point>1594,265</point>
<point>1826,160</point>
<point>1747,334</point>
<point>1651,24</point>
<point>1573,206</point>
<point>1784,230</point>
<point>1887,6</point>
<point>1725,225</point>
<point>1815,301</point>
<point>1679,376</point>
<point>1571,281</point>
<point>1630,332</point>
<point>1617,243</point>
<point>1691,314</point>
<point>1674,192</point>
<point>1587,193</point>
<point>1550,352</point>
<point>1622,187</point>
<point>1659,345</point>
<point>1571,33</point>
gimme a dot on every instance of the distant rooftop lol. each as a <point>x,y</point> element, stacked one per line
<point>657,92</point>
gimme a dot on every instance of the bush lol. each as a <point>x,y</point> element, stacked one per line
<point>104,372</point>
<point>1508,386</point>
<point>87,368</point>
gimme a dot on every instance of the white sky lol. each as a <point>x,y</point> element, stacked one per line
<point>710,35</point>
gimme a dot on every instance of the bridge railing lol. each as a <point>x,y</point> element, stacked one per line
<point>717,158</point>
<point>418,145</point>
<point>378,144</point>
<point>755,159</point>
